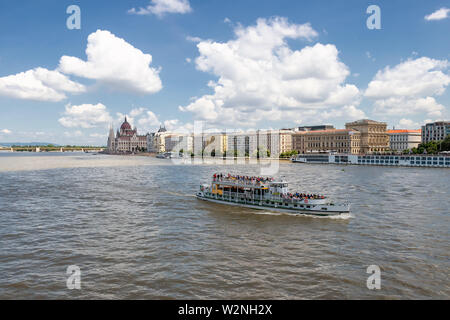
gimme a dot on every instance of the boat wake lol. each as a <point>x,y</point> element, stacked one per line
<point>343,216</point>
<point>270,213</point>
<point>178,194</point>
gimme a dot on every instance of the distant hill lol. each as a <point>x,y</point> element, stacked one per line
<point>26,144</point>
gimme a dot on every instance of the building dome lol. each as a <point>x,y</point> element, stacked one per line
<point>125,125</point>
<point>162,129</point>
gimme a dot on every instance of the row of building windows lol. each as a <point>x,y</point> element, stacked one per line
<point>405,158</point>
<point>423,162</point>
<point>379,129</point>
<point>403,138</point>
<point>377,140</point>
<point>323,144</point>
<point>317,138</point>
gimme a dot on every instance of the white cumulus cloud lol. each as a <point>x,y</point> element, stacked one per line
<point>85,116</point>
<point>406,106</point>
<point>408,124</point>
<point>161,7</point>
<point>410,87</point>
<point>143,118</point>
<point>261,77</point>
<point>149,119</point>
<point>440,14</point>
<point>5,131</point>
<point>113,61</point>
<point>39,84</point>
<point>175,125</point>
<point>353,113</point>
<point>137,112</point>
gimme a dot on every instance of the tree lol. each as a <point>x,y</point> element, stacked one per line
<point>431,147</point>
<point>260,152</point>
<point>288,154</point>
<point>445,144</point>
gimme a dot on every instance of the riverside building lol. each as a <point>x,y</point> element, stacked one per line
<point>284,138</point>
<point>242,143</point>
<point>332,140</point>
<point>215,143</point>
<point>126,140</point>
<point>374,137</point>
<point>315,128</point>
<point>157,142</point>
<point>400,140</point>
<point>209,143</point>
<point>178,142</point>
<point>266,143</point>
<point>151,142</point>
<point>435,131</point>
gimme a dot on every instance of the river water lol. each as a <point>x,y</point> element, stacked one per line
<point>133,227</point>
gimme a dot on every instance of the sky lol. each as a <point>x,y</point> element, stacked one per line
<point>232,64</point>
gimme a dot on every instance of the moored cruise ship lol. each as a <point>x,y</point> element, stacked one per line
<point>264,193</point>
<point>436,161</point>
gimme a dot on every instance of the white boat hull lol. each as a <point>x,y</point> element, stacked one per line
<point>307,212</point>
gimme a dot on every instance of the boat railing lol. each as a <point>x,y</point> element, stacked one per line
<point>237,195</point>
<point>248,183</point>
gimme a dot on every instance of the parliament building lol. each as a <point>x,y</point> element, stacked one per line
<point>126,140</point>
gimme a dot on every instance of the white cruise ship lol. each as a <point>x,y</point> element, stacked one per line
<point>436,161</point>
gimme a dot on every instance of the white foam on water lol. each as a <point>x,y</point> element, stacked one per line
<point>268,213</point>
<point>343,216</point>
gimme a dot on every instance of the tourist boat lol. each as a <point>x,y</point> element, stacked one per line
<point>163,156</point>
<point>264,193</point>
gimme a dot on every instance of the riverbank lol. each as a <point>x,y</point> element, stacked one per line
<point>153,155</point>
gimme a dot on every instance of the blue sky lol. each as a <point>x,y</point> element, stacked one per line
<point>311,62</point>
